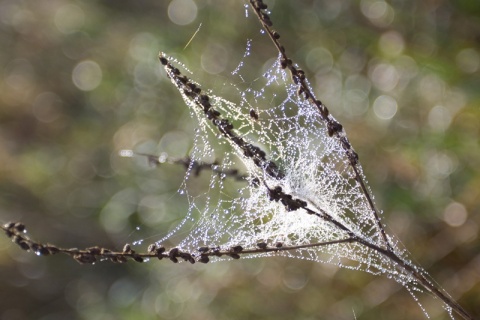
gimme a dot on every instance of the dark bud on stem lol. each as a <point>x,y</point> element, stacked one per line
<point>138,259</point>
<point>127,248</point>
<point>204,259</point>
<point>163,61</point>
<point>262,245</point>
<point>237,249</point>
<point>152,248</point>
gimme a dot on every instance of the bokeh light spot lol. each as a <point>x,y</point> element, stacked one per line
<point>69,18</point>
<point>385,107</point>
<point>468,60</point>
<point>87,75</point>
<point>455,214</point>
<point>391,43</point>
<point>379,13</point>
<point>182,12</point>
<point>439,118</point>
<point>214,59</point>
<point>46,107</point>
<point>384,76</point>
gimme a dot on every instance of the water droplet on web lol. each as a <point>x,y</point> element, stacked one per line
<point>262,31</point>
<point>136,243</point>
<point>126,153</point>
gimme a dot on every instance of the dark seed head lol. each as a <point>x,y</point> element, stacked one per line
<point>234,256</point>
<point>237,249</point>
<point>152,248</point>
<point>262,245</point>
<point>127,248</point>
<point>19,227</point>
<point>204,259</point>
<point>163,60</point>
<point>138,259</point>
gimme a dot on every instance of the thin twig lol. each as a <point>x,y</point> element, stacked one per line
<point>16,231</point>
<point>196,166</point>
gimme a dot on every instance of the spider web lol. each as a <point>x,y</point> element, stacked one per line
<point>313,167</point>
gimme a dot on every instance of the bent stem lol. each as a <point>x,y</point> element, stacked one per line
<point>334,127</point>
<point>336,130</point>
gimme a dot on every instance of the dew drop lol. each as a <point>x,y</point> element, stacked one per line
<point>126,153</point>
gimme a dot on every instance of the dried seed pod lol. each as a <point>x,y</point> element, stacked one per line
<point>152,248</point>
<point>262,245</point>
<point>24,245</point>
<point>127,248</point>
<point>237,249</point>
<point>163,60</point>
<point>84,258</point>
<point>276,35</point>
<point>204,259</point>
<point>94,250</point>
<point>301,74</point>
<point>9,225</point>
<point>253,114</point>
<point>279,244</point>
<point>234,256</point>
<point>138,259</point>
<point>52,249</point>
<point>19,227</point>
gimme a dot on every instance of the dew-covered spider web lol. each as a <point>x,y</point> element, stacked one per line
<point>312,167</point>
<point>335,222</point>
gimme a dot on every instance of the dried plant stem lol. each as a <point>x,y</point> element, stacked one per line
<point>192,93</point>
<point>196,166</point>
<point>16,231</point>
<point>335,129</point>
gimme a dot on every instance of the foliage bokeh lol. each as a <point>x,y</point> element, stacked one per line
<point>79,81</point>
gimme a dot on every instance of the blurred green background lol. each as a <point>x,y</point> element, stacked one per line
<point>79,81</point>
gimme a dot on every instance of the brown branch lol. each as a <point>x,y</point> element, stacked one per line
<point>335,129</point>
<point>196,166</point>
<point>16,232</point>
